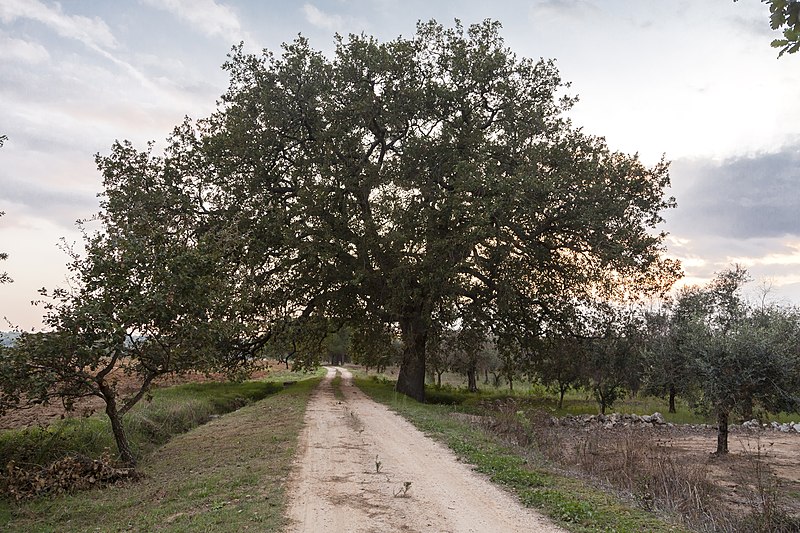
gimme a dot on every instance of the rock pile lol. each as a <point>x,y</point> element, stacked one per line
<point>619,420</point>
<point>612,421</point>
<point>788,427</point>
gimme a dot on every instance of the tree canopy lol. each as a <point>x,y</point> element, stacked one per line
<point>4,277</point>
<point>739,356</point>
<point>143,301</point>
<point>422,180</point>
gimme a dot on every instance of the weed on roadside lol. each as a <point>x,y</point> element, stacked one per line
<point>402,492</point>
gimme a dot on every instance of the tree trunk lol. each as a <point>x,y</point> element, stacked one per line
<point>121,438</point>
<point>496,377</point>
<point>722,432</point>
<point>510,383</point>
<point>472,382</point>
<point>485,376</point>
<point>747,411</point>
<point>439,378</point>
<point>561,390</point>
<point>672,393</point>
<point>601,400</point>
<point>411,379</point>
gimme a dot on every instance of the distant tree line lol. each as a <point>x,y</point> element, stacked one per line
<point>724,356</point>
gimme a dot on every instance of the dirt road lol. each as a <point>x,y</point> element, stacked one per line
<point>335,486</point>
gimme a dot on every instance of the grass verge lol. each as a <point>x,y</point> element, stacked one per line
<point>571,503</point>
<point>227,475</point>
<point>172,411</point>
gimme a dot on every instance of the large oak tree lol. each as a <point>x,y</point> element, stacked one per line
<point>398,188</point>
<point>416,181</point>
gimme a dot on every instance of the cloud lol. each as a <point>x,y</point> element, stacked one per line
<point>320,19</point>
<point>21,50</point>
<point>91,31</point>
<point>741,198</point>
<point>790,256</point>
<point>331,22</point>
<point>207,16</point>
<point>569,9</point>
<point>23,200</point>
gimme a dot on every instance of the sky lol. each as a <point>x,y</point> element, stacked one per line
<point>694,82</point>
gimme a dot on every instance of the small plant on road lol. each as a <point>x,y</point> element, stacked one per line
<point>378,464</point>
<point>402,492</point>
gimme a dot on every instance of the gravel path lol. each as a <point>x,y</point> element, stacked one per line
<point>335,487</point>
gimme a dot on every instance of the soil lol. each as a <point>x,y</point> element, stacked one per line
<point>750,451</point>
<point>44,415</point>
<point>354,462</point>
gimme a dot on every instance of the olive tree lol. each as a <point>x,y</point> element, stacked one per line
<point>406,182</point>
<point>611,351</point>
<point>559,364</point>
<point>668,365</point>
<point>742,356</point>
<point>143,300</point>
<point>442,353</point>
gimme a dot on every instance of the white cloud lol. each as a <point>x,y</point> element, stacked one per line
<point>331,22</point>
<point>207,16</point>
<point>568,9</point>
<point>21,50</point>
<point>790,257</point>
<point>91,31</point>
<point>320,19</point>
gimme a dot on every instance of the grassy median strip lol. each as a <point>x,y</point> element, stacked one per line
<point>571,503</point>
<point>226,475</point>
<point>336,383</point>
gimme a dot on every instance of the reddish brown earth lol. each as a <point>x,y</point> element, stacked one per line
<point>44,415</point>
<point>750,452</point>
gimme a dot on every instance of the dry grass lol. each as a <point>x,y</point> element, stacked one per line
<point>642,464</point>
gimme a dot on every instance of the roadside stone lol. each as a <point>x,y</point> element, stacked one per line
<point>614,420</point>
<point>751,424</point>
